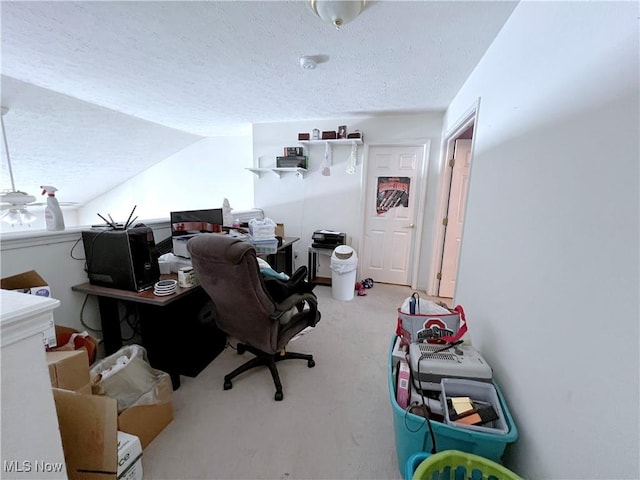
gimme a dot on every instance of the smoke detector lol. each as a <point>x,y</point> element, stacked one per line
<point>308,63</point>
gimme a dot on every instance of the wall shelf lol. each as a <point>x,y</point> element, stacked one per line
<point>278,171</point>
<point>332,141</point>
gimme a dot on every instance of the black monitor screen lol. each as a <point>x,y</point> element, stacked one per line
<point>196,221</point>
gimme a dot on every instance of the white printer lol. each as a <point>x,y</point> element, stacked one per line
<point>429,365</point>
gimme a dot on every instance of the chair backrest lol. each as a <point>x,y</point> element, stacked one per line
<point>228,272</point>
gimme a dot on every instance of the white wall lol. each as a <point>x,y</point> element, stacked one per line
<point>198,177</point>
<point>549,266</point>
<point>334,202</point>
<point>59,259</point>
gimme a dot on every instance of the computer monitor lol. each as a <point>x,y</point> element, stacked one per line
<point>190,222</point>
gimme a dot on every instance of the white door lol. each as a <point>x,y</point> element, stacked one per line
<point>393,185</point>
<point>455,217</point>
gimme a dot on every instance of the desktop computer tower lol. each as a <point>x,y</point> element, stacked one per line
<point>123,259</point>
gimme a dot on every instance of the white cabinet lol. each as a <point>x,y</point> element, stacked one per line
<point>30,433</point>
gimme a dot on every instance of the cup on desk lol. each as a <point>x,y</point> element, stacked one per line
<point>186,277</point>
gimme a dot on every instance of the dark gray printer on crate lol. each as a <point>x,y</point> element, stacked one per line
<point>328,239</point>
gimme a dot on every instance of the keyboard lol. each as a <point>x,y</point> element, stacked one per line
<point>164,246</point>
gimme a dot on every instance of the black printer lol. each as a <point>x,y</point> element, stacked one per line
<point>328,239</point>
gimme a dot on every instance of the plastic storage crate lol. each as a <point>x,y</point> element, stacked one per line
<point>455,465</point>
<point>483,391</point>
<point>412,432</point>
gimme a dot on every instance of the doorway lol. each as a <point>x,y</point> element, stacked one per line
<point>451,212</point>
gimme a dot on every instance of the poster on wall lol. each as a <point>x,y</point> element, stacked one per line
<point>392,192</point>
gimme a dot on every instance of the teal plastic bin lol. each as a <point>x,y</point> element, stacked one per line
<point>412,432</point>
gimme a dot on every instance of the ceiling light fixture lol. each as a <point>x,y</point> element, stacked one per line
<point>337,12</point>
<point>18,216</point>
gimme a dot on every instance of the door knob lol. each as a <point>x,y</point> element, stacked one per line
<point>411,225</point>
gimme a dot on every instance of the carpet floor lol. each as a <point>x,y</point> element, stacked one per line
<point>335,421</point>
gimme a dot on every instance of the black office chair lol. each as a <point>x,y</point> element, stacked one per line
<point>228,271</point>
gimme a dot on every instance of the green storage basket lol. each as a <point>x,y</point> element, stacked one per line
<point>455,465</point>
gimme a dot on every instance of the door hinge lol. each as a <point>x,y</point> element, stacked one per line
<point>445,221</point>
<point>452,162</point>
<point>439,276</point>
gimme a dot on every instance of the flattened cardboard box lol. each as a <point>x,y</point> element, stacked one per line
<point>147,421</point>
<point>89,426</point>
<point>69,370</point>
<point>32,283</point>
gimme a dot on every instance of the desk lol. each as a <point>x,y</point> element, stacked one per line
<point>282,260</point>
<point>176,339</point>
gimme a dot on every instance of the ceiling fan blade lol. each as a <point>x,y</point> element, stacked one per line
<point>16,197</point>
<point>62,204</point>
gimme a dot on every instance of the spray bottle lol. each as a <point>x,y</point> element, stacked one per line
<point>52,213</point>
<point>227,219</point>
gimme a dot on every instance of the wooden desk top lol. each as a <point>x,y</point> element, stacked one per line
<point>146,296</point>
<point>286,241</point>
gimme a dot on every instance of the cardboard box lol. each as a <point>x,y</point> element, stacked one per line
<point>402,393</point>
<point>129,457</point>
<point>329,134</point>
<point>89,426</point>
<point>279,230</point>
<point>68,339</point>
<point>69,370</point>
<point>147,421</point>
<point>32,283</point>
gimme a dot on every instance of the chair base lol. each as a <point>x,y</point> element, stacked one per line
<point>268,360</point>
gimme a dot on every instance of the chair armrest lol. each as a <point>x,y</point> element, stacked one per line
<point>295,300</point>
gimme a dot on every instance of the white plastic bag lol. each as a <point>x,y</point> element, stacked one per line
<point>423,307</point>
<point>126,376</point>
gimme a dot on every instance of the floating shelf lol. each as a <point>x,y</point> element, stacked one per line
<point>333,141</point>
<point>278,171</point>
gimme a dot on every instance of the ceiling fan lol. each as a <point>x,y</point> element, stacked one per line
<point>14,202</point>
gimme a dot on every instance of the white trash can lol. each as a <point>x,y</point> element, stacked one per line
<point>344,265</point>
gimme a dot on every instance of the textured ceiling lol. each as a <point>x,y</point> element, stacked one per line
<point>102,90</point>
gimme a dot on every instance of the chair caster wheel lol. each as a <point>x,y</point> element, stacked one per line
<point>227,385</point>
<point>311,363</point>
<point>241,349</point>
<point>279,396</point>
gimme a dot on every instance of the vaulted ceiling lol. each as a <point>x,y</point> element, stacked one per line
<point>98,91</point>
